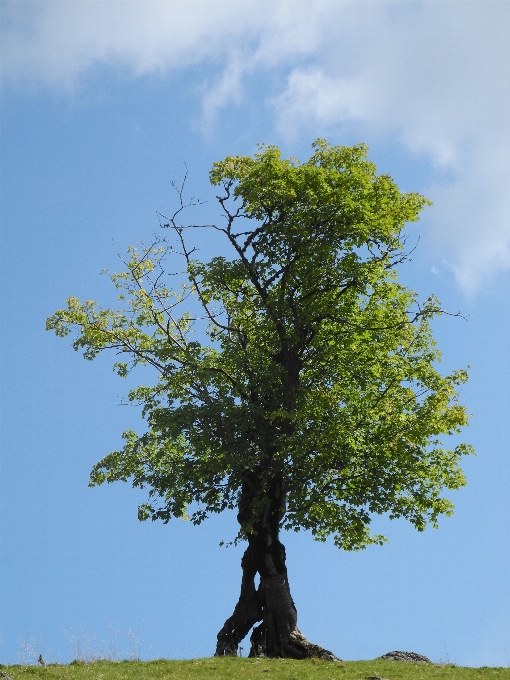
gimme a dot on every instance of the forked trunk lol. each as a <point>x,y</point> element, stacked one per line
<point>270,605</point>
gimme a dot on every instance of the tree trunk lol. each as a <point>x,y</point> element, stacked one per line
<point>271,604</point>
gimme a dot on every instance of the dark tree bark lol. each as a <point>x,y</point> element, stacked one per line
<point>271,604</point>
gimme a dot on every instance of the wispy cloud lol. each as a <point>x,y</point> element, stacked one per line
<point>55,42</point>
<point>432,76</point>
<point>438,80</point>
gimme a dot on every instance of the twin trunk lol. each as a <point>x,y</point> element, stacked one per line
<point>270,605</point>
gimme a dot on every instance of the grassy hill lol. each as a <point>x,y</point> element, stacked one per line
<point>235,668</point>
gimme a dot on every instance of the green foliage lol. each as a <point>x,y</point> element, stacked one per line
<point>306,356</point>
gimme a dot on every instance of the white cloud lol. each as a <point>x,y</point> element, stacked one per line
<point>471,219</point>
<point>434,76</point>
<point>438,79</point>
<point>56,41</point>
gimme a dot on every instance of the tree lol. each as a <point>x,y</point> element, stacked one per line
<point>300,386</point>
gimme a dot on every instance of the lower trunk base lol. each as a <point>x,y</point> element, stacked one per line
<point>295,647</point>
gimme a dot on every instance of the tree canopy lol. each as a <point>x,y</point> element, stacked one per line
<point>297,356</point>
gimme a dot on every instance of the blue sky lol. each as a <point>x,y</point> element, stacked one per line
<point>102,103</point>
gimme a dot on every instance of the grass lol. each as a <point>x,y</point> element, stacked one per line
<point>236,668</point>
